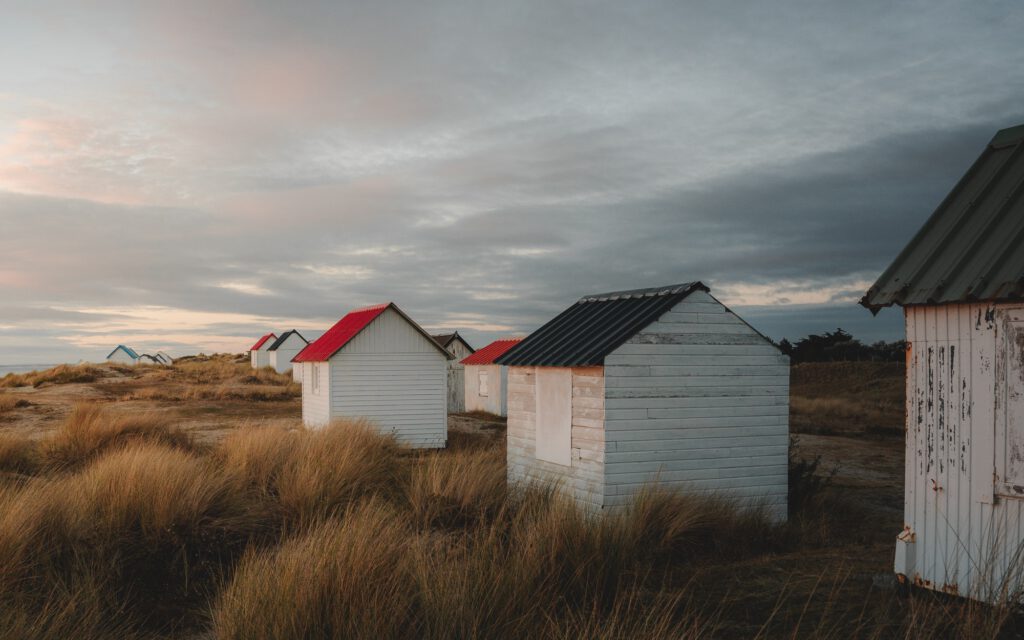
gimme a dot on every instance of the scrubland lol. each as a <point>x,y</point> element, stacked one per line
<point>122,521</point>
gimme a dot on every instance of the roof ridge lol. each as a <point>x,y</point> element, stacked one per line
<point>648,292</point>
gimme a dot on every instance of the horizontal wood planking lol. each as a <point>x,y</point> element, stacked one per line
<point>584,477</point>
<point>697,401</point>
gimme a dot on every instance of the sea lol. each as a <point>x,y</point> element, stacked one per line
<point>22,368</point>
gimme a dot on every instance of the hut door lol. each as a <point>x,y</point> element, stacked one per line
<point>1010,401</point>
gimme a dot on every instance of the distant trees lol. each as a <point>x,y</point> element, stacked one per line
<point>839,345</point>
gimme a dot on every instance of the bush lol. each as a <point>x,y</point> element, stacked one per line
<point>91,430</point>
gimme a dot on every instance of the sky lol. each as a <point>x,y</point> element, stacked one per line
<point>187,176</point>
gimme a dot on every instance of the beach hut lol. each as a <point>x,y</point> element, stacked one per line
<point>457,346</point>
<point>123,355</point>
<point>485,380</point>
<point>284,348</point>
<point>662,385</point>
<point>377,363</point>
<point>960,282</point>
<point>164,358</point>
<point>259,353</point>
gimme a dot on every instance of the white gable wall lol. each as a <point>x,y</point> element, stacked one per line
<point>260,357</point>
<point>391,375</point>
<point>495,400</point>
<point>281,358</point>
<point>698,401</point>
<point>120,356</point>
<point>964,482</point>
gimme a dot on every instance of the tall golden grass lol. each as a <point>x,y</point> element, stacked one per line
<point>119,526</point>
<point>61,374</point>
<point>9,403</point>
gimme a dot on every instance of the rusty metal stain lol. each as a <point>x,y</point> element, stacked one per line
<point>935,485</point>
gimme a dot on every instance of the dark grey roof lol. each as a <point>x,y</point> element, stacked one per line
<point>445,339</point>
<point>972,247</point>
<point>595,326</point>
<point>284,336</point>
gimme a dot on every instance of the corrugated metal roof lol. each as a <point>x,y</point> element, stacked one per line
<point>972,248</point>
<point>131,352</point>
<point>259,343</point>
<point>596,325</point>
<point>349,327</point>
<point>284,337</point>
<point>487,355</point>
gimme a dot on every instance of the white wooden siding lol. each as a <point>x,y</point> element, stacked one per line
<point>457,377</point>
<point>698,401</point>
<point>391,375</point>
<point>962,513</point>
<point>121,357</point>
<point>260,358</point>
<point>584,478</point>
<point>316,403</point>
<point>495,400</point>
<point>281,358</point>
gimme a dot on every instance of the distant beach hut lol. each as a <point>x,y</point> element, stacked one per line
<point>664,386</point>
<point>457,346</point>
<point>146,358</point>
<point>123,355</point>
<point>284,348</point>
<point>485,380</point>
<point>164,358</point>
<point>377,363</point>
<point>259,353</point>
<point>960,282</point>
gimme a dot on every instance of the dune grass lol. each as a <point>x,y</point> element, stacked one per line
<point>61,374</point>
<point>10,403</point>
<point>118,525</point>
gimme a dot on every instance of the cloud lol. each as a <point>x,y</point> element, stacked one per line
<point>240,169</point>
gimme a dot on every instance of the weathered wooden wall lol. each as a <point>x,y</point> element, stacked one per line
<point>698,401</point>
<point>495,400</point>
<point>964,482</point>
<point>395,376</point>
<point>457,377</point>
<point>259,358</point>
<point>584,477</point>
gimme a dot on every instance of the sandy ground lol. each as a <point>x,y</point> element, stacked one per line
<point>869,470</point>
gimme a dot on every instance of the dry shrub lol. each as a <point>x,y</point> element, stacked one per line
<point>346,578</point>
<point>18,454</point>
<point>140,535</point>
<point>91,430</point>
<point>179,393</point>
<point>9,403</point>
<point>61,374</point>
<point>459,488</point>
<point>315,474</point>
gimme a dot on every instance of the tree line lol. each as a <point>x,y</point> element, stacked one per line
<point>839,345</point>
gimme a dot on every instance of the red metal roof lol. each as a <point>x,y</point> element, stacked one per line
<point>259,343</point>
<point>339,335</point>
<point>488,354</point>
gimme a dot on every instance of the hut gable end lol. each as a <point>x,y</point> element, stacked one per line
<point>699,400</point>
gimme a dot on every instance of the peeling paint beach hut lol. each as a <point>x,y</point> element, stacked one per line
<point>662,385</point>
<point>284,348</point>
<point>457,346</point>
<point>123,355</point>
<point>377,363</point>
<point>259,353</point>
<point>960,282</point>
<point>486,381</point>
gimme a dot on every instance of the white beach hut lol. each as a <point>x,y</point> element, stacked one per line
<point>377,363</point>
<point>457,346</point>
<point>485,380</point>
<point>164,358</point>
<point>284,348</point>
<point>123,355</point>
<point>960,282</point>
<point>259,353</point>
<point>662,385</point>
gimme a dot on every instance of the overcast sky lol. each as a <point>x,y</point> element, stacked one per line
<point>187,176</point>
